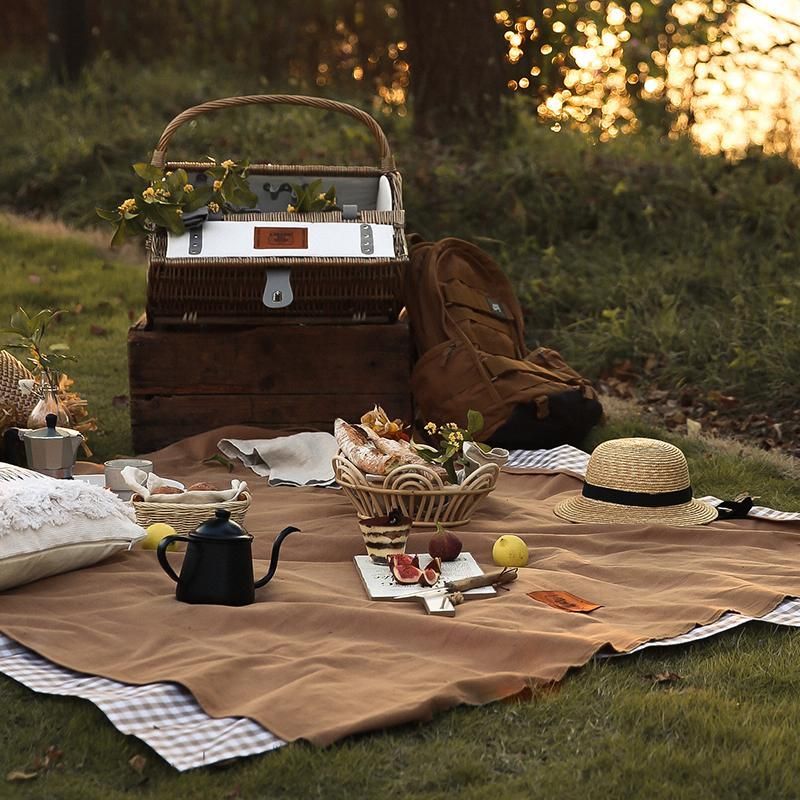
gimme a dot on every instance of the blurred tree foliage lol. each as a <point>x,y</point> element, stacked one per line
<point>604,66</point>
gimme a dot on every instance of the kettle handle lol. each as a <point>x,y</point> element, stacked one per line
<point>161,552</point>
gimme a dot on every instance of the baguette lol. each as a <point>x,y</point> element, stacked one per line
<point>398,448</point>
<point>359,448</point>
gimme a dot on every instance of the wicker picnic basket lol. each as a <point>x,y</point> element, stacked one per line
<point>14,406</point>
<point>186,517</point>
<point>418,491</point>
<point>186,286</point>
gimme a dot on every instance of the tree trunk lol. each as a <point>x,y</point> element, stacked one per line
<point>68,38</point>
<point>455,53</point>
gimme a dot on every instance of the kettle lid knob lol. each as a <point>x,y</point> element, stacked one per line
<point>50,421</point>
<point>220,526</point>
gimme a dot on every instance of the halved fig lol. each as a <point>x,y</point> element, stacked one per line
<point>431,572</point>
<point>405,569</point>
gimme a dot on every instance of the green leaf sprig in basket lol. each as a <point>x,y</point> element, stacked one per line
<point>169,195</point>
<point>310,198</point>
<point>448,452</point>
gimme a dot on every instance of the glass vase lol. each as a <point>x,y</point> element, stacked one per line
<point>48,404</point>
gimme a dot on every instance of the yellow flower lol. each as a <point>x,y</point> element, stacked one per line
<point>149,194</point>
<point>213,207</point>
<point>321,196</point>
<point>127,206</point>
<point>456,437</point>
<point>431,428</point>
<point>217,185</point>
<point>162,193</point>
<point>291,209</point>
<point>188,188</point>
<point>179,212</point>
<point>228,164</point>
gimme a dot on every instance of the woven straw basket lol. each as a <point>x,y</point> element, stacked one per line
<point>326,288</point>
<point>14,406</point>
<point>186,518</point>
<point>418,491</point>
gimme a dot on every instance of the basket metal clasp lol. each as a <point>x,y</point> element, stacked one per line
<point>278,289</point>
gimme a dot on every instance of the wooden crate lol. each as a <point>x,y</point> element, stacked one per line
<point>186,381</point>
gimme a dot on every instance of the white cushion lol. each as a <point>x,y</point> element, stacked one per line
<point>49,526</point>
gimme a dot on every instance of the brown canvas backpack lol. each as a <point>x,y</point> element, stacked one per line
<point>468,331</point>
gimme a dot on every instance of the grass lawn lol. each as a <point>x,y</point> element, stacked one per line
<point>726,728</point>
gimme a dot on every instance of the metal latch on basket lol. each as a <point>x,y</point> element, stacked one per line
<point>196,240</point>
<point>278,289</point>
<point>367,242</point>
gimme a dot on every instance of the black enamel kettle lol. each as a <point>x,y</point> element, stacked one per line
<point>218,564</point>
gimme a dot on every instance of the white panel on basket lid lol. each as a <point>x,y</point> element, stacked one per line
<point>235,238</point>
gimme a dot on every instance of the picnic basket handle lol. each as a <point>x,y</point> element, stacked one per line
<point>386,161</point>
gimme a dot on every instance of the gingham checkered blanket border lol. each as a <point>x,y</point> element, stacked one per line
<point>167,718</point>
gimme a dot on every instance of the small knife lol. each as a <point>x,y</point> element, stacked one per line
<point>465,584</point>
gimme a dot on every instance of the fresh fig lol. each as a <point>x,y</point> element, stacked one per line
<point>430,575</point>
<point>405,569</point>
<point>444,544</point>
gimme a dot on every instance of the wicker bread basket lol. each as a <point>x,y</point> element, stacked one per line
<point>418,491</point>
<point>185,517</point>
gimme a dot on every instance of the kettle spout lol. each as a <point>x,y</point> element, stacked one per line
<point>273,564</point>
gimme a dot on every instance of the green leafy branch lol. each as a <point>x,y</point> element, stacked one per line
<point>310,198</point>
<point>29,332</point>
<point>448,452</point>
<point>169,194</point>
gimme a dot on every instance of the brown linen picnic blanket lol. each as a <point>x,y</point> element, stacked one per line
<point>314,659</point>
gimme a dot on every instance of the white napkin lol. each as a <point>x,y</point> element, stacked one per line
<point>302,459</point>
<point>144,483</point>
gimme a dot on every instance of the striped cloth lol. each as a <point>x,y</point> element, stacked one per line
<point>167,718</point>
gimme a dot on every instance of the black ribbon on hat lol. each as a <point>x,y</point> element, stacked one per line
<point>734,509</point>
<point>643,499</point>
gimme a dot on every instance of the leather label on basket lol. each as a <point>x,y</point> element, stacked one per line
<point>564,601</point>
<point>280,238</point>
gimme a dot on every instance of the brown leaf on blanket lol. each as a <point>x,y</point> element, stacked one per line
<point>663,677</point>
<point>18,775</point>
<point>137,763</point>
<point>565,601</point>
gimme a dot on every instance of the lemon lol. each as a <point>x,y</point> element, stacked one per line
<point>155,533</point>
<point>510,551</point>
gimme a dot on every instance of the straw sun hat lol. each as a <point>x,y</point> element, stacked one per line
<point>639,481</point>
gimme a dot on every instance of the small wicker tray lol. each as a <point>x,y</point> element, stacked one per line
<point>185,517</point>
<point>418,491</point>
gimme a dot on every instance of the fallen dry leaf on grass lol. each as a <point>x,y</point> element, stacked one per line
<point>17,776</point>
<point>693,428</point>
<point>98,330</point>
<point>35,279</point>
<point>119,400</point>
<point>137,763</point>
<point>52,757</point>
<point>663,677</point>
